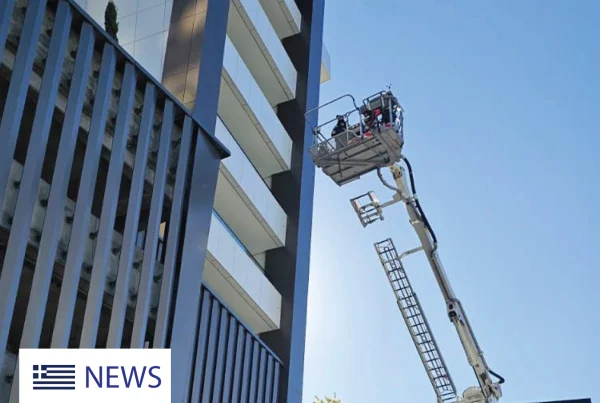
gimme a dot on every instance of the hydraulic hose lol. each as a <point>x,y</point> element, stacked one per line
<point>420,209</point>
<point>418,204</point>
<point>387,185</point>
<point>500,378</point>
<point>430,229</point>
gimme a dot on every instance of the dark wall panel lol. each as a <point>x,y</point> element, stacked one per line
<point>288,267</point>
<point>246,356</point>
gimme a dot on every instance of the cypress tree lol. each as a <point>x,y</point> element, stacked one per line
<point>110,20</point>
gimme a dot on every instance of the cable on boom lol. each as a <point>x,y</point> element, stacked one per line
<point>417,204</point>
<point>500,378</point>
<point>455,300</point>
<point>415,198</point>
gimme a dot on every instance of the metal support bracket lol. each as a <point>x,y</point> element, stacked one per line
<point>368,208</point>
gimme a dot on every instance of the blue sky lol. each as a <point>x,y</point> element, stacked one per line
<point>502,130</point>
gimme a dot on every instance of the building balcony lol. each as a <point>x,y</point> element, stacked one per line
<point>239,280</point>
<point>245,202</point>
<point>286,20</point>
<point>284,16</point>
<point>259,45</point>
<point>251,119</point>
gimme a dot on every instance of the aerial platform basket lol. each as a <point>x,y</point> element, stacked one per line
<point>372,138</point>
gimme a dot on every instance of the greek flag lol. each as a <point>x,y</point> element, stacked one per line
<point>54,377</point>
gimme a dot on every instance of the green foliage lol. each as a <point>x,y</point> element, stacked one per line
<point>333,399</point>
<point>110,20</point>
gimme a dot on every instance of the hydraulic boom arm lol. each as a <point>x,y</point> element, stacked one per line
<point>488,390</point>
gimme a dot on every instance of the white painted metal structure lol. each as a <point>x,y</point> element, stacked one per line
<point>364,143</point>
<point>359,155</point>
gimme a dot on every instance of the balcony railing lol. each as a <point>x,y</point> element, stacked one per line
<point>250,117</point>
<point>284,15</point>
<point>257,42</point>
<point>226,136</point>
<point>237,240</point>
<point>262,223</point>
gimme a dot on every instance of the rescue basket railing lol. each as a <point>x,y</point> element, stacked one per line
<point>316,127</point>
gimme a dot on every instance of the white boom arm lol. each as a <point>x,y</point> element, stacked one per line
<point>488,391</point>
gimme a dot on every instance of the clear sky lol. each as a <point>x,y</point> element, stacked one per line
<point>503,131</point>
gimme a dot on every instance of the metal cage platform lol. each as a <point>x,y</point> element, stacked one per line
<point>374,140</point>
<point>348,156</point>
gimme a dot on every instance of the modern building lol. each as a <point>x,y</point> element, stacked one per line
<point>156,192</point>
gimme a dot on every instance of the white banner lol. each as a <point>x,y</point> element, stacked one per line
<point>94,375</point>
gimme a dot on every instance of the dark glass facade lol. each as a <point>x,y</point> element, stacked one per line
<point>287,267</point>
<point>107,185</point>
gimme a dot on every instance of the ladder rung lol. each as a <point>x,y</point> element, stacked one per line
<point>419,330</point>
